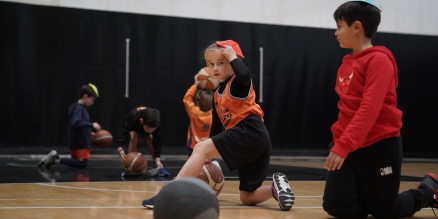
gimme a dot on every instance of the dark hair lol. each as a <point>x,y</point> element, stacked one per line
<point>204,99</point>
<point>151,117</point>
<point>366,14</point>
<point>85,89</point>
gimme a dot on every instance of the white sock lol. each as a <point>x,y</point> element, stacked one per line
<point>216,163</point>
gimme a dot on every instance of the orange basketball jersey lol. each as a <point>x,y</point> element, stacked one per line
<point>200,122</point>
<point>231,110</point>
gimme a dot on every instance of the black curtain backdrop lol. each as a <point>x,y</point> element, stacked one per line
<point>47,53</point>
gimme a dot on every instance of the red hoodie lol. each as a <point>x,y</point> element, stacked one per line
<point>368,113</point>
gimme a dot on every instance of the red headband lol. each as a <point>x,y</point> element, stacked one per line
<point>233,44</point>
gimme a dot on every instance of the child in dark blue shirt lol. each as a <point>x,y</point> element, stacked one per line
<point>80,131</point>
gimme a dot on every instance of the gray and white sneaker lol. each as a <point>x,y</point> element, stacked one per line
<point>282,192</point>
<point>49,159</point>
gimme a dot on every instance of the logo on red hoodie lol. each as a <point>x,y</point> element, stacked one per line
<point>345,82</point>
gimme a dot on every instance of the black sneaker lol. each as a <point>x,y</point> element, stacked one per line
<point>430,183</point>
<point>281,191</point>
<point>49,159</point>
<point>149,203</point>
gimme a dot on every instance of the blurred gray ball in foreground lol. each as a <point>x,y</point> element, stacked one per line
<point>186,198</point>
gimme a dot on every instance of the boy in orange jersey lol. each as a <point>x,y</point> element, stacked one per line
<point>364,163</point>
<point>238,132</point>
<point>199,107</point>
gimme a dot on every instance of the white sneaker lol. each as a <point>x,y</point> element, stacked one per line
<point>49,159</point>
<point>281,191</point>
<point>215,162</point>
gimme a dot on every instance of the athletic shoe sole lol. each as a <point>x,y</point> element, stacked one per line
<point>286,197</point>
<point>149,206</point>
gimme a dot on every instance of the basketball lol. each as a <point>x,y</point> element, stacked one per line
<point>135,164</point>
<point>206,81</point>
<point>102,138</point>
<point>186,198</point>
<point>213,176</point>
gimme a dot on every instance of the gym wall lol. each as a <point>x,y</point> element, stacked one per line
<point>47,53</point>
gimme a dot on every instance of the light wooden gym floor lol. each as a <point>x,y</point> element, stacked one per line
<point>47,197</point>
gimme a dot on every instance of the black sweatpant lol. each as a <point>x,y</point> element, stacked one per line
<point>368,183</point>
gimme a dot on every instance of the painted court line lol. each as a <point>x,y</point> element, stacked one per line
<point>141,207</point>
<point>95,189</point>
<point>145,191</point>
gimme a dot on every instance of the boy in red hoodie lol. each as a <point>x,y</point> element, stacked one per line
<point>364,163</point>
